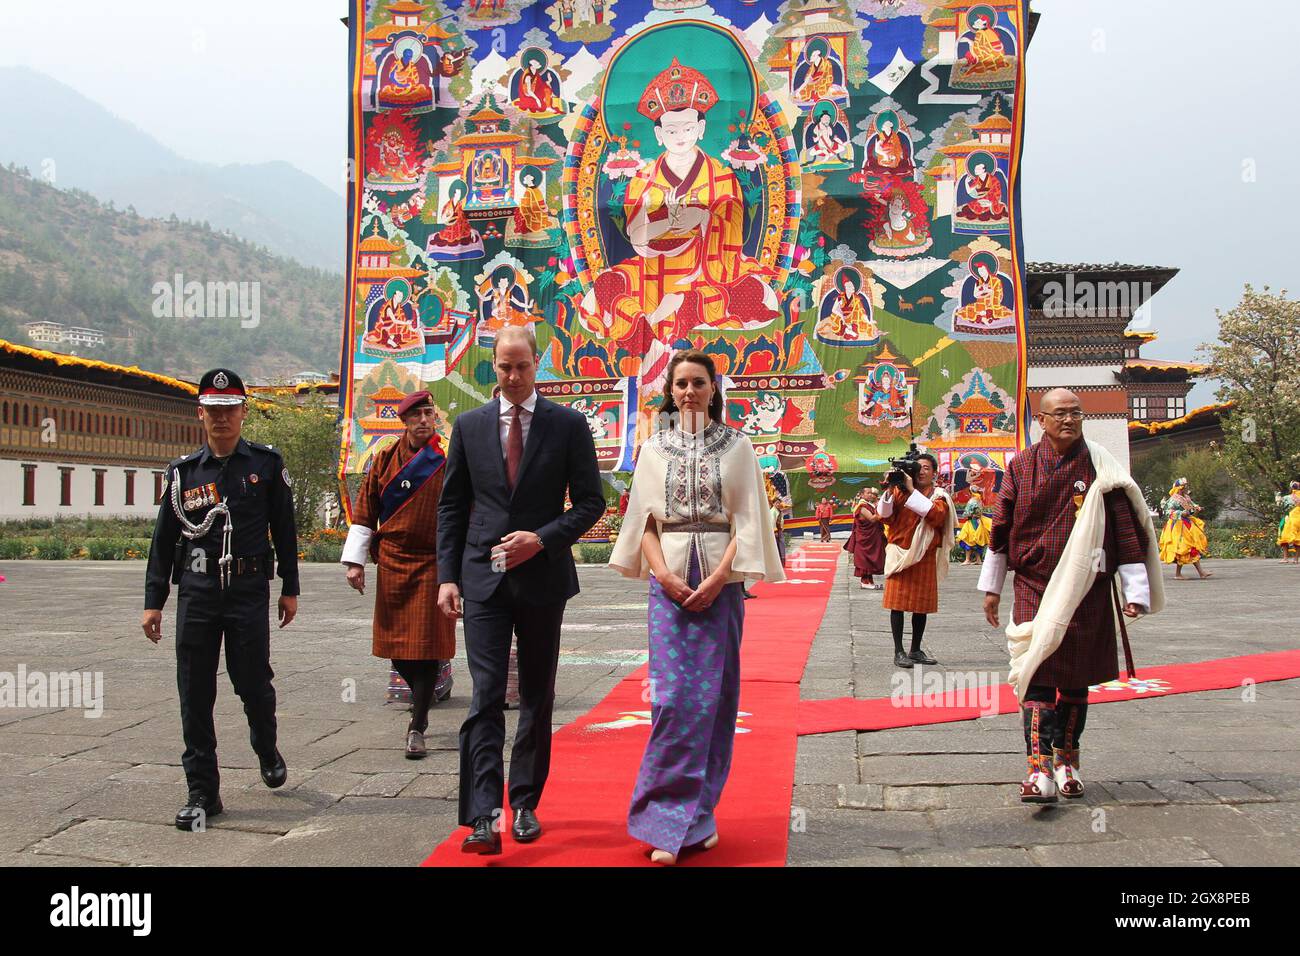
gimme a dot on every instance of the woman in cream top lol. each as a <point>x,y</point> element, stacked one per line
<point>698,525</point>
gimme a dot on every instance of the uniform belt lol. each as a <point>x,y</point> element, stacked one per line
<point>257,564</point>
<point>695,527</point>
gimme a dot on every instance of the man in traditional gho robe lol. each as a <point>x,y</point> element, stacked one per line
<point>1067,518</point>
<point>919,525</point>
<point>685,220</point>
<point>395,523</point>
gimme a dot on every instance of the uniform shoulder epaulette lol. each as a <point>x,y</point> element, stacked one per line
<point>184,458</point>
<point>268,449</point>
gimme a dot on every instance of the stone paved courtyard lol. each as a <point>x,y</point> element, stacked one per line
<point>1198,779</point>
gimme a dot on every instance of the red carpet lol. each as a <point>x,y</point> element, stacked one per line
<point>883,713</point>
<point>593,767</point>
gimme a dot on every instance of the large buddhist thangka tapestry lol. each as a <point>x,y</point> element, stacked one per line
<point>821,194</point>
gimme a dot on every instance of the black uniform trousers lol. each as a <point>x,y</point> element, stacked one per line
<point>204,615</point>
<point>488,629</point>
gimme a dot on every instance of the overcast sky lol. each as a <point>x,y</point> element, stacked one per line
<point>1160,132</point>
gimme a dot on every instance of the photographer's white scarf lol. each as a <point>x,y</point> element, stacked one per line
<point>1032,642</point>
<point>899,559</point>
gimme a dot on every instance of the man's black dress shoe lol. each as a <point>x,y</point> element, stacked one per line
<point>526,829</point>
<point>902,660</point>
<point>274,772</point>
<point>484,840</point>
<point>196,812</point>
<point>921,657</point>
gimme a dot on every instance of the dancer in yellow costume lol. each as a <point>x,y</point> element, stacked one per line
<point>1183,540</point>
<point>973,538</point>
<point>685,220</point>
<point>1288,531</point>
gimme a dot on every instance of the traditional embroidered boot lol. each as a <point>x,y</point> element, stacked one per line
<point>1071,715</point>
<point>1065,772</point>
<point>1039,785</point>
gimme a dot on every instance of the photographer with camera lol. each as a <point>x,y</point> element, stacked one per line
<point>920,522</point>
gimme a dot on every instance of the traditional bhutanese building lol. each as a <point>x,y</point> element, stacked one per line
<point>300,390</point>
<point>1157,389</point>
<point>1197,429</point>
<point>82,437</point>
<point>1078,316</point>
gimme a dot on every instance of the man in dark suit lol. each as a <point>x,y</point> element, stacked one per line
<point>504,562</point>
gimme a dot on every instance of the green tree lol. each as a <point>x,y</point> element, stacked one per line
<point>1257,363</point>
<point>307,436</point>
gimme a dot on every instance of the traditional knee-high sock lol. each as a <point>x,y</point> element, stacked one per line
<point>1071,715</point>
<point>421,676</point>
<point>918,629</point>
<point>896,625</point>
<point>1038,717</point>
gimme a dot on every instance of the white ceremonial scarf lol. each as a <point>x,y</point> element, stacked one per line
<point>1032,642</point>
<point>897,559</point>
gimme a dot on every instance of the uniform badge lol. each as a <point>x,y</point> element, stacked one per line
<point>1080,487</point>
<point>220,380</point>
<point>284,473</point>
<point>253,478</point>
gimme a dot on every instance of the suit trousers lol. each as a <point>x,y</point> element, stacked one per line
<point>489,626</point>
<point>205,614</point>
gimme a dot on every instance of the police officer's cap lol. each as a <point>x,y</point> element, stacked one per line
<point>221,386</point>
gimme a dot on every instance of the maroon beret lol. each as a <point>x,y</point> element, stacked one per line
<point>414,400</point>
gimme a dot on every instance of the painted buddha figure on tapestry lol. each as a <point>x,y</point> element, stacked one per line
<point>685,215</point>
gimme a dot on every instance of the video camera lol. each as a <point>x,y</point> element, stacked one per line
<point>909,464</point>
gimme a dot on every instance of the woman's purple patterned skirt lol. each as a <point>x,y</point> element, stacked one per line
<point>695,693</point>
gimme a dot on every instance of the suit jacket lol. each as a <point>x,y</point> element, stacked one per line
<point>477,509</point>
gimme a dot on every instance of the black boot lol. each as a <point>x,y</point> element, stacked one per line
<point>198,809</point>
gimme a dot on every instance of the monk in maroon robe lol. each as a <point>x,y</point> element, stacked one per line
<point>867,540</point>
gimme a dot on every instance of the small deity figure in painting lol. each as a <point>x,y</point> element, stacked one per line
<point>503,301</point>
<point>457,240</point>
<point>846,313</point>
<point>889,149</point>
<point>982,196</point>
<point>984,296</point>
<point>819,75</point>
<point>405,78</point>
<point>981,47</point>
<point>394,325</point>
<point>902,225</point>
<point>826,139</point>
<point>685,221</point>
<point>535,88</point>
<point>887,404</point>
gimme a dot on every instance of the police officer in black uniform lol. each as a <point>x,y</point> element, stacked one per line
<point>223,507</point>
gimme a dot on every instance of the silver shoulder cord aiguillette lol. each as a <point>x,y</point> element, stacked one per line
<point>192,531</point>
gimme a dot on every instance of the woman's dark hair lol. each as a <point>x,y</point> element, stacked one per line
<point>695,357</point>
